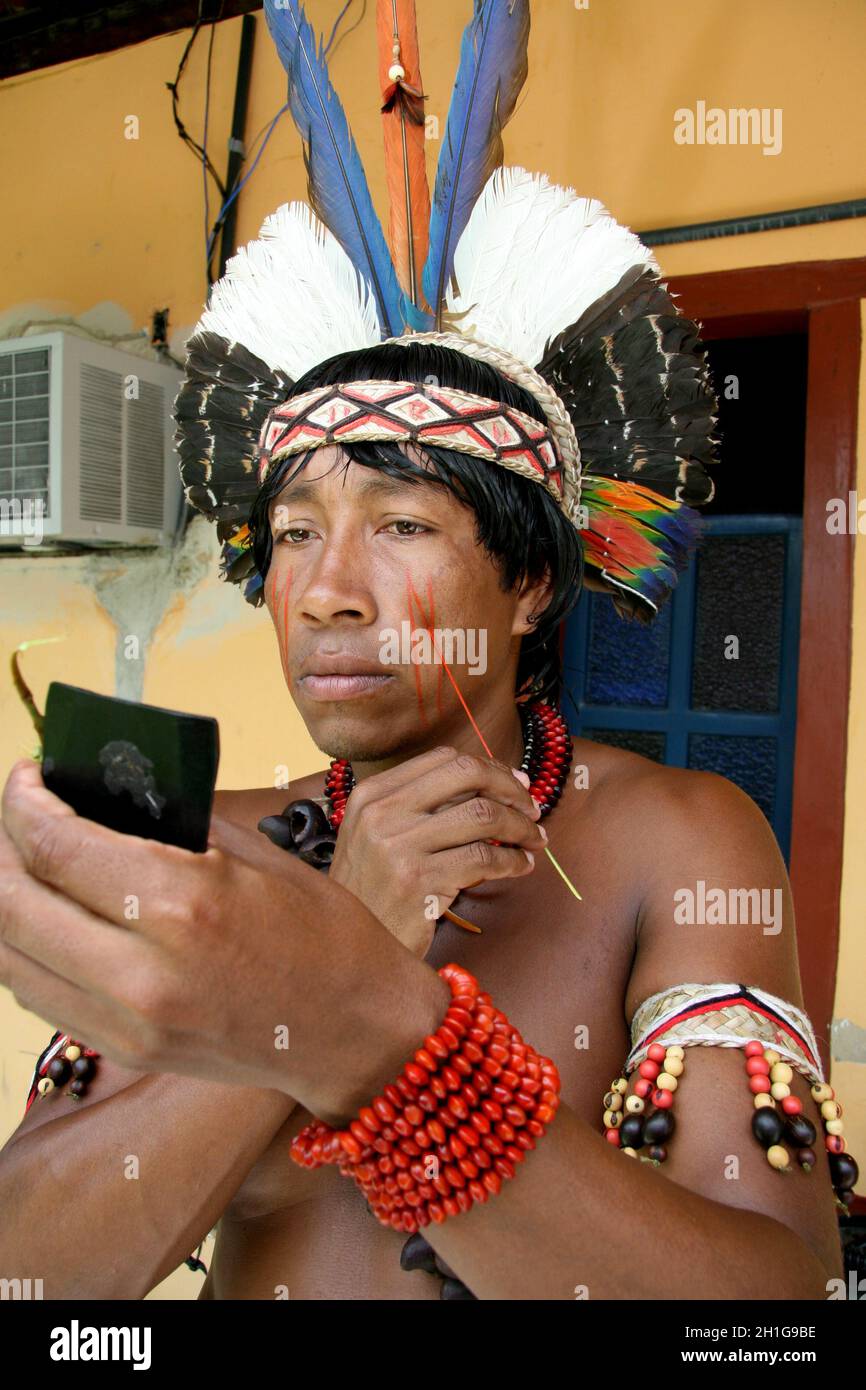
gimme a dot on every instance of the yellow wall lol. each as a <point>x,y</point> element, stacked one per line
<point>102,230</point>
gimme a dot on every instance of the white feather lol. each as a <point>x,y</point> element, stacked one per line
<point>532,258</point>
<point>293,297</point>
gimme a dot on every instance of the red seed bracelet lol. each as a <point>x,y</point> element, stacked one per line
<point>457,1121</point>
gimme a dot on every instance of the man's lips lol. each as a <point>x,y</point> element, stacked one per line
<point>342,687</point>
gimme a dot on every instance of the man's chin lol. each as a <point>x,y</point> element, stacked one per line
<point>362,736</point>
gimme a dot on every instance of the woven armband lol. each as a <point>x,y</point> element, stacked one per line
<point>776,1038</point>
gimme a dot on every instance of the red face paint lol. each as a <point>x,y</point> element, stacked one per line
<point>449,675</point>
<point>279,606</point>
<point>419,691</point>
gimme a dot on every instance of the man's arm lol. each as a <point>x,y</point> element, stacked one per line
<point>580,1214</point>
<point>103,1197</point>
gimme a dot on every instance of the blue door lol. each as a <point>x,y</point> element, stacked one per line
<point>712,683</point>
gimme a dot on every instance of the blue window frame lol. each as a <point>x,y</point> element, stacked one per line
<point>674,690</point>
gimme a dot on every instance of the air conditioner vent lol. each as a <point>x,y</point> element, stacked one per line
<point>88,426</point>
<point>101,476</point>
<point>145,456</point>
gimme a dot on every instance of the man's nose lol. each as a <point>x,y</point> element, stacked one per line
<point>338,586</point>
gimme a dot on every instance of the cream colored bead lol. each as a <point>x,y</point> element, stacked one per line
<point>675,1052</point>
<point>830,1110</point>
<point>673,1066</point>
<point>822,1092</point>
<point>620,1085</point>
<point>613,1101</point>
<point>764,1098</point>
<point>612,1119</point>
<point>45,1085</point>
<point>72,1053</point>
<point>782,1072</point>
<point>777,1157</point>
<point>396,72</point>
<point>634,1105</point>
<point>666,1082</point>
<point>771,1057</point>
<point>834,1126</point>
<point>632,1153</point>
<point>779,1090</point>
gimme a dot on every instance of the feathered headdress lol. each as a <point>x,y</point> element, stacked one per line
<point>505,266</point>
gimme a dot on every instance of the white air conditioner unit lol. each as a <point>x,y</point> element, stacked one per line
<point>86,451</point>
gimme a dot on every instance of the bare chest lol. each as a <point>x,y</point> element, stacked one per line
<point>558,967</point>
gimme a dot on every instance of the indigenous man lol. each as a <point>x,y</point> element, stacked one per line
<point>458,458</point>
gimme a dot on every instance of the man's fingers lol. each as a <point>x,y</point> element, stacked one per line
<point>121,878</point>
<point>479,818</point>
<point>404,774</point>
<point>38,922</point>
<point>464,776</point>
<point>60,1002</point>
<point>477,863</point>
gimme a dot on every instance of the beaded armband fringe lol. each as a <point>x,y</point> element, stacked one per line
<point>776,1038</point>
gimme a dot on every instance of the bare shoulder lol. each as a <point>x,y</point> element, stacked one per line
<point>668,812</point>
<point>699,864</point>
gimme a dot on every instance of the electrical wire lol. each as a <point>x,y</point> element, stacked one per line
<point>204,161</point>
<point>182,131</point>
<point>239,185</point>
<point>229,199</point>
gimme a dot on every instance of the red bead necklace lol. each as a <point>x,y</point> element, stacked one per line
<point>546,761</point>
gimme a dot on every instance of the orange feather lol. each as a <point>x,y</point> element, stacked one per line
<point>403,128</point>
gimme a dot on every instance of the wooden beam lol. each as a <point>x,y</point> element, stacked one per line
<point>41,35</point>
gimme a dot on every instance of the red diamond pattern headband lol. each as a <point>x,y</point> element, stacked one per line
<point>425,414</point>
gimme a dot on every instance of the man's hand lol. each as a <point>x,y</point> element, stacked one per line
<point>414,836</point>
<point>241,964</point>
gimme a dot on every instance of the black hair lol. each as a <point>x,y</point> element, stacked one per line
<point>518,523</point>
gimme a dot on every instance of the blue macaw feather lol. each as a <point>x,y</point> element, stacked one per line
<point>492,70</point>
<point>337,184</point>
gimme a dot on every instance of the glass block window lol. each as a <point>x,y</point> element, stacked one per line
<point>712,684</point>
<point>24,456</point>
<point>641,741</point>
<point>738,622</point>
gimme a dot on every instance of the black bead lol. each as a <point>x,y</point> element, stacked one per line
<point>800,1131</point>
<point>631,1132</point>
<point>843,1170</point>
<point>83,1068</point>
<point>453,1289</point>
<point>278,831</point>
<point>417,1254</point>
<point>444,1270</point>
<point>767,1126</point>
<point>58,1070</point>
<point>78,1088</point>
<point>318,850</point>
<point>658,1127</point>
<point>658,1153</point>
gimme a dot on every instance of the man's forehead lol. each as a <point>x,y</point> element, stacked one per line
<point>313,482</point>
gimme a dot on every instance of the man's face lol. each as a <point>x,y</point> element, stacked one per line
<point>363,566</point>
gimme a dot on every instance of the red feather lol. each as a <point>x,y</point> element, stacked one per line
<point>403,126</point>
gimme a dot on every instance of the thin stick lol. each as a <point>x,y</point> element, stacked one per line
<point>21,685</point>
<point>563,875</point>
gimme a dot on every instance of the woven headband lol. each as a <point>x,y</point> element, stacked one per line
<point>404,411</point>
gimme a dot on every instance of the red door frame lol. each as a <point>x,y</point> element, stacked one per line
<point>821,298</point>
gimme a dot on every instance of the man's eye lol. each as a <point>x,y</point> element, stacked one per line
<point>293,531</point>
<point>417,524</point>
